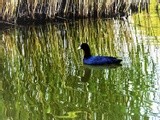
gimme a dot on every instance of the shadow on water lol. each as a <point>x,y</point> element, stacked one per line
<point>42,66</point>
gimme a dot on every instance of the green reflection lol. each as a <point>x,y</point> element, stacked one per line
<point>44,78</point>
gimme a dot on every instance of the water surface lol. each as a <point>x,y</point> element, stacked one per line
<point>44,78</point>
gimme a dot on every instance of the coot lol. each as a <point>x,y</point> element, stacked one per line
<point>97,60</point>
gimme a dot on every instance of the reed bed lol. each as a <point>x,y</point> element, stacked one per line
<point>40,11</point>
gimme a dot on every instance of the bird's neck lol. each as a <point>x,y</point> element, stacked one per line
<point>87,54</point>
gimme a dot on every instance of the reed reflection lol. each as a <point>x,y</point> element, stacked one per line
<point>42,69</point>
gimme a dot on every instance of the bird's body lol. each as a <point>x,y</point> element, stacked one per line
<point>97,60</point>
<point>101,60</point>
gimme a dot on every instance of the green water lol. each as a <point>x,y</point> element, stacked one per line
<point>43,76</point>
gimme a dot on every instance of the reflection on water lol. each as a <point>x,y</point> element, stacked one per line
<point>89,68</point>
<point>44,78</point>
<point>87,75</point>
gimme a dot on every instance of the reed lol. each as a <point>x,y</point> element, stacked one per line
<point>40,11</point>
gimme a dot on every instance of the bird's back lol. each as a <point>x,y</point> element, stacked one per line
<point>101,60</point>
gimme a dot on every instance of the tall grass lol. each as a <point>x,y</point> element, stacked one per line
<point>23,11</point>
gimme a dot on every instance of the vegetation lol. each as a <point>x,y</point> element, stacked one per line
<point>40,11</point>
<point>43,76</point>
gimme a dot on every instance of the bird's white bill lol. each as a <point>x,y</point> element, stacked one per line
<point>79,47</point>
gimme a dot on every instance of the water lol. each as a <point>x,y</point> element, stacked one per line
<point>43,75</point>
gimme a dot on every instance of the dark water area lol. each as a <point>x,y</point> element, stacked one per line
<point>43,76</point>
